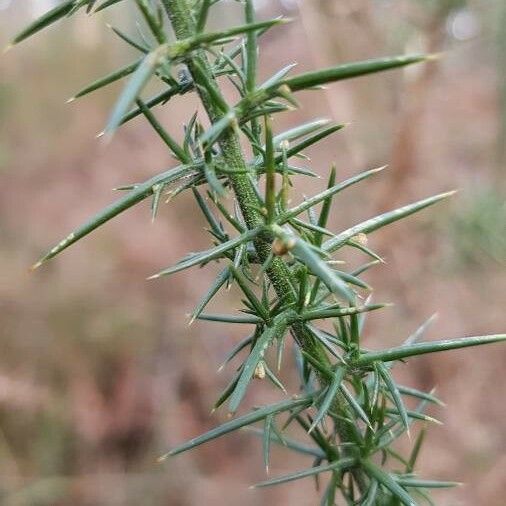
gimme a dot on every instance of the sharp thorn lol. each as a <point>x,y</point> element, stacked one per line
<point>36,265</point>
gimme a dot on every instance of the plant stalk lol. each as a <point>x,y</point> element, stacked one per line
<point>242,184</point>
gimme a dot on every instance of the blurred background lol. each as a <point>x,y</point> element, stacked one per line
<point>99,372</point>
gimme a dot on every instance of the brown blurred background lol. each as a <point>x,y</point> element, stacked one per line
<point>99,373</point>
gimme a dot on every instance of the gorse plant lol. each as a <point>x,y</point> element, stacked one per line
<point>282,257</point>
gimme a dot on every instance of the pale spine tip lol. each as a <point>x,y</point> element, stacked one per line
<point>36,265</point>
<point>435,56</point>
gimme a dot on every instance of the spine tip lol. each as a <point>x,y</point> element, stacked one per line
<point>435,56</point>
<point>36,265</point>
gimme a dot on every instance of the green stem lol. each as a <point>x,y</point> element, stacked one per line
<point>241,182</point>
<point>240,179</point>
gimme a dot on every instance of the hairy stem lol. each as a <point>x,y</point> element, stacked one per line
<point>242,185</point>
<point>241,182</point>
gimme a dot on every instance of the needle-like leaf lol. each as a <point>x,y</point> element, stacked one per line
<point>132,90</point>
<point>415,415</point>
<point>266,443</point>
<point>300,131</point>
<point>388,482</point>
<point>129,40</point>
<point>47,19</point>
<point>220,280</point>
<point>310,141</point>
<point>208,38</point>
<point>391,428</point>
<point>212,134</point>
<point>412,350</point>
<point>394,392</point>
<point>289,443</point>
<point>260,309</point>
<point>327,203</point>
<point>210,254</point>
<point>349,70</point>
<point>417,483</point>
<point>341,464</point>
<point>236,350</point>
<point>363,268</point>
<point>371,495</point>
<point>330,395</point>
<point>225,318</point>
<point>275,80</point>
<point>106,4</point>
<point>413,392</point>
<point>108,79</point>
<point>178,151</point>
<point>410,466</point>
<point>420,331</point>
<point>311,202</point>
<point>152,20</point>
<point>251,48</point>
<point>355,406</point>
<point>242,421</point>
<point>382,220</point>
<point>216,187</point>
<point>202,15</point>
<point>273,378</point>
<point>138,194</point>
<point>161,98</point>
<point>319,314</point>
<point>157,194</point>
<point>277,329</point>
<point>227,392</point>
<point>321,269</point>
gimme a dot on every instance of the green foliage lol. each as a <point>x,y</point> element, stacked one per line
<point>349,405</point>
